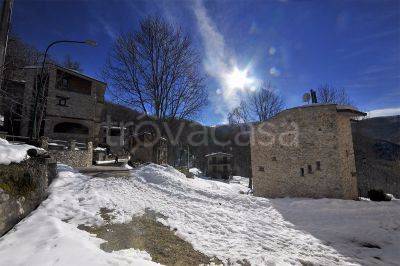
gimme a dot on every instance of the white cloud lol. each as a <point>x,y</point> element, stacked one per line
<point>221,66</point>
<point>274,71</point>
<point>384,112</point>
<point>271,50</point>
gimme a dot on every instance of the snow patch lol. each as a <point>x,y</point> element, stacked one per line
<point>49,236</point>
<point>13,153</point>
<point>195,171</point>
<point>212,215</point>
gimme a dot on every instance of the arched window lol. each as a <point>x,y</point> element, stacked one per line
<point>71,128</point>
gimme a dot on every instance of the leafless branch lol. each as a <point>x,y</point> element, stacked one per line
<point>257,106</point>
<point>329,94</point>
<point>156,71</point>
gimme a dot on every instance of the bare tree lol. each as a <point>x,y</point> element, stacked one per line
<point>257,106</point>
<point>72,64</point>
<point>156,70</point>
<point>240,114</point>
<point>329,94</point>
<point>265,103</point>
<point>19,54</point>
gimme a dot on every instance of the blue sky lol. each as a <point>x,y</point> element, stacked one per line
<point>296,45</point>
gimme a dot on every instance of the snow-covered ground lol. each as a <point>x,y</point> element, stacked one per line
<point>12,153</point>
<point>215,217</point>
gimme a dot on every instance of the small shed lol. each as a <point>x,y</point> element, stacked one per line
<point>148,147</point>
<point>219,165</point>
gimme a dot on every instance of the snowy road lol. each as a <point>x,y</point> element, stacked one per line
<point>213,216</point>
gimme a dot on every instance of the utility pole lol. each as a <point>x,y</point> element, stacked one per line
<point>188,156</point>
<point>40,91</point>
<point>4,30</point>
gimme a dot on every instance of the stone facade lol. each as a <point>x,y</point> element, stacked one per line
<point>74,104</point>
<point>72,156</point>
<point>305,152</point>
<point>22,188</point>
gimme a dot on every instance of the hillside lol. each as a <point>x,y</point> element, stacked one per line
<point>384,128</point>
<point>205,139</point>
<point>377,154</point>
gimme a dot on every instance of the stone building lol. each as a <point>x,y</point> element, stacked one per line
<point>147,147</point>
<point>305,151</point>
<point>114,136</point>
<point>219,165</point>
<point>74,103</point>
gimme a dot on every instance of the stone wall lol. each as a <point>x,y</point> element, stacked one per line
<point>23,187</point>
<point>347,165</point>
<point>79,107</point>
<point>301,152</point>
<point>72,156</point>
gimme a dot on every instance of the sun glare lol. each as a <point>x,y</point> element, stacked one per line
<point>239,79</point>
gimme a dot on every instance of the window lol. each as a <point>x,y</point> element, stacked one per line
<point>71,128</point>
<point>214,169</point>
<point>225,168</point>
<point>309,169</point>
<point>274,159</point>
<point>64,83</point>
<point>301,171</point>
<point>115,132</point>
<point>261,168</point>
<point>214,160</point>
<point>224,159</point>
<point>62,101</point>
<point>318,165</point>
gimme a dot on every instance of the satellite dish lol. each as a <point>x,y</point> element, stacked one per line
<point>306,97</point>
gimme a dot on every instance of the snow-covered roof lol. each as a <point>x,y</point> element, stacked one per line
<point>218,153</point>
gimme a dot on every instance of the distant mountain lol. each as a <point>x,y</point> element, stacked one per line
<point>119,113</point>
<point>384,128</point>
<point>210,139</point>
<point>377,154</point>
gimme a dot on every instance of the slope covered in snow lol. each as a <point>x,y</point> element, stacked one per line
<point>13,153</point>
<point>215,217</point>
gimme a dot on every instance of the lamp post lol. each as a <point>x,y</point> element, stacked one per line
<point>34,132</point>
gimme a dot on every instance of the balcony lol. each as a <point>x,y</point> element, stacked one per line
<point>219,162</point>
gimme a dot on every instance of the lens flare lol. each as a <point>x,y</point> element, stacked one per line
<point>239,79</point>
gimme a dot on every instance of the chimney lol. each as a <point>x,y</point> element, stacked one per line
<point>313,96</point>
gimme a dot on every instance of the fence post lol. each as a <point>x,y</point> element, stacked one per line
<point>90,153</point>
<point>44,143</point>
<point>72,145</point>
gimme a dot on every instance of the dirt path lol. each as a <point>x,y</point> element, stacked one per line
<point>145,233</point>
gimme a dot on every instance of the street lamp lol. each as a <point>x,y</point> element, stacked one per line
<point>39,90</point>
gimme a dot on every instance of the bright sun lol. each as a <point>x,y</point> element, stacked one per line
<point>238,79</point>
